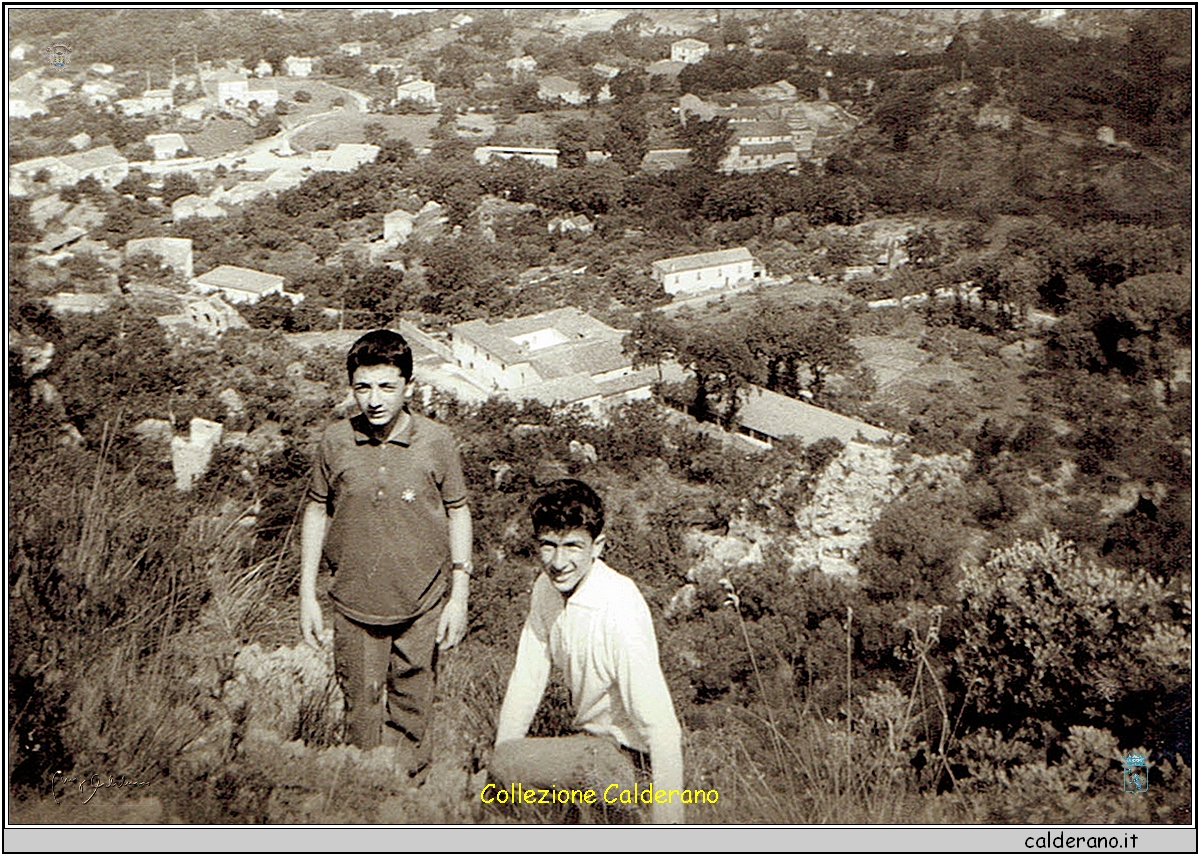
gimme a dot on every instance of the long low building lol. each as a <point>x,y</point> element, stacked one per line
<point>768,416</point>
<point>545,157</point>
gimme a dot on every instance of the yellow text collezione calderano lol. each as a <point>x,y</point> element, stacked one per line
<point>613,794</point>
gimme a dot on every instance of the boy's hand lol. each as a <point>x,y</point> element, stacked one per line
<point>312,625</point>
<point>452,626</point>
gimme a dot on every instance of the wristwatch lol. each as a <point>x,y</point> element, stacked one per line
<point>467,568</point>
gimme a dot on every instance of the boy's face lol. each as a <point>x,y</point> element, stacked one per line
<point>379,392</point>
<point>567,557</point>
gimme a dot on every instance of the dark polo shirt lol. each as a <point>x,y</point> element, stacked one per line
<point>388,540</point>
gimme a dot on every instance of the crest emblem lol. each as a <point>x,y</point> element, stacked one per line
<point>1136,774</point>
<point>60,55</point>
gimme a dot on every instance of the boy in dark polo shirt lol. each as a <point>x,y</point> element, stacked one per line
<point>387,507</point>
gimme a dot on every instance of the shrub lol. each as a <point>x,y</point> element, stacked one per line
<point>1053,638</point>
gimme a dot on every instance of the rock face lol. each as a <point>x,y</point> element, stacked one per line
<point>849,497</point>
<point>190,456</point>
<point>832,529</point>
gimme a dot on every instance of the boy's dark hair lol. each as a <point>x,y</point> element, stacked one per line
<point>380,348</point>
<point>568,504</point>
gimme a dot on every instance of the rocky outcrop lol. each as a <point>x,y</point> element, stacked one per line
<point>831,530</point>
<point>850,496</point>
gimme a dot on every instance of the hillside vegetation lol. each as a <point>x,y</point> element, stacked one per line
<point>1018,617</point>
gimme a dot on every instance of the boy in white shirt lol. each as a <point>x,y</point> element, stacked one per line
<point>593,624</point>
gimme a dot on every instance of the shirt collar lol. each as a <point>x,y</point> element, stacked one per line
<point>590,593</point>
<point>403,431</point>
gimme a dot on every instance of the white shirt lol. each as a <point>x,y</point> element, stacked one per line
<point>602,639</point>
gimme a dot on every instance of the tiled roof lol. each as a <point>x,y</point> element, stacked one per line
<point>557,85</point>
<point>94,158</point>
<point>762,129</point>
<point>703,260</point>
<point>779,416</point>
<point>751,149</point>
<point>566,390</point>
<point>240,279</point>
<point>589,358</point>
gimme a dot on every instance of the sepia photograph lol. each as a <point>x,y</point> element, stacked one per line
<point>482,417</point>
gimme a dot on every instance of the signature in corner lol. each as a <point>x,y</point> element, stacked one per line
<point>89,784</point>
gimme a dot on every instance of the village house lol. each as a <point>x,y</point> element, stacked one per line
<point>25,107</point>
<point>209,314</point>
<point>688,50</point>
<point>175,253</point>
<point>780,90</point>
<point>561,356</point>
<point>97,93</point>
<point>157,101</point>
<point>298,66</point>
<point>997,115</point>
<point>167,146</point>
<point>664,160</point>
<point>545,157</point>
<point>420,91</point>
<point>263,93</point>
<point>51,244</point>
<point>105,164</point>
<point>195,110</point>
<point>460,20</point>
<point>521,66</point>
<point>556,88</point>
<point>665,68</point>
<point>101,68</point>
<point>703,271</point>
<point>350,48</point>
<point>68,302</point>
<point>759,146</point>
<point>240,285</point>
<point>579,225</point>
<point>263,69</point>
<point>226,87</point>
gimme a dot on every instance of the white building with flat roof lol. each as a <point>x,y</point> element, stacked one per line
<point>688,50</point>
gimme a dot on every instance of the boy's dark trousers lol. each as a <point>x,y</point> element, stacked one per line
<point>386,674</point>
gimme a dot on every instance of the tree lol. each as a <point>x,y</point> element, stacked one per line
<point>302,96</point>
<point>628,84</point>
<point>268,126</point>
<point>654,338</point>
<point>900,113</point>
<point>572,143</point>
<point>176,185</point>
<point>709,140</point>
<point>722,369</point>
